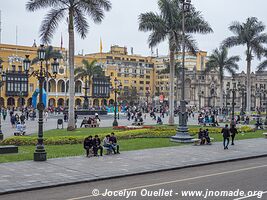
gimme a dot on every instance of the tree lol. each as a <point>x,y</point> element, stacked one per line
<point>177,72</point>
<point>87,71</point>
<point>50,53</point>
<point>75,12</point>
<point>220,62</point>
<point>167,25</point>
<point>130,95</point>
<point>248,34</point>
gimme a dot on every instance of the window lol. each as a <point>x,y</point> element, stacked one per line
<point>148,77</point>
<point>61,70</point>
<point>111,74</point>
<point>126,81</point>
<point>141,82</point>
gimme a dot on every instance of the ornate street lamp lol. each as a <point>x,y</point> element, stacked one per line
<point>242,88</point>
<point>147,96</point>
<point>232,89</point>
<point>2,80</point>
<point>117,88</point>
<point>182,134</point>
<point>41,74</point>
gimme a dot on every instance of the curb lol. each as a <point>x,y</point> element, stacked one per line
<point>133,174</point>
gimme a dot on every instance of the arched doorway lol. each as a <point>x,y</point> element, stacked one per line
<point>78,102</point>
<point>104,102</point>
<point>60,102</point>
<point>78,86</point>
<point>96,102</point>
<point>29,102</point>
<point>11,101</point>
<point>52,102</point>
<point>61,86</point>
<point>111,102</point>
<point>67,102</point>
<point>2,102</point>
<point>52,85</point>
<point>21,102</point>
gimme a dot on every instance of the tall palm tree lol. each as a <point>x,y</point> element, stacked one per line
<point>75,12</point>
<point>249,34</point>
<point>87,71</point>
<point>168,25</point>
<point>220,62</point>
<point>50,53</point>
<point>263,65</point>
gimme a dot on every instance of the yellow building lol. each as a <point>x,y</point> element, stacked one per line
<point>132,71</point>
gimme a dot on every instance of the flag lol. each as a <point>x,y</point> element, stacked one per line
<point>61,42</point>
<point>101,46</point>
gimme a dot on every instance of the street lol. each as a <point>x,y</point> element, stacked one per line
<point>248,176</point>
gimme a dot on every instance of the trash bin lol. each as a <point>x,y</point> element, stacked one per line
<point>60,122</point>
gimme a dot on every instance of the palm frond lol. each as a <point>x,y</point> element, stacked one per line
<point>232,41</point>
<point>262,66</point>
<point>34,5</point>
<point>80,23</point>
<point>50,23</point>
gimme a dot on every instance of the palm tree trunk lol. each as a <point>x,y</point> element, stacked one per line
<point>221,93</point>
<point>171,96</point>
<point>71,122</point>
<point>248,85</point>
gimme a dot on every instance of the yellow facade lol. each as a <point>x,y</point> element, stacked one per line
<point>132,70</point>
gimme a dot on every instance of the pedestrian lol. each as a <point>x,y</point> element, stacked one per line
<point>233,132</point>
<point>88,144</point>
<point>97,146</point>
<point>4,114</point>
<point>226,135</point>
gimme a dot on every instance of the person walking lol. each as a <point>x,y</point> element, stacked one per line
<point>233,132</point>
<point>226,135</point>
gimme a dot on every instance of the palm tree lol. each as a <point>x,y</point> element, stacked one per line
<point>263,65</point>
<point>168,25</point>
<point>87,71</point>
<point>177,73</point>
<point>220,62</point>
<point>75,12</point>
<point>248,34</point>
<point>50,53</point>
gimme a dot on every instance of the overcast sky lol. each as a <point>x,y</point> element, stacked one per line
<point>120,25</point>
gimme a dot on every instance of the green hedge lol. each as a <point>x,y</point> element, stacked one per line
<point>129,134</point>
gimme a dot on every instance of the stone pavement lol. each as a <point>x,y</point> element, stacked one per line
<point>26,175</point>
<point>51,123</point>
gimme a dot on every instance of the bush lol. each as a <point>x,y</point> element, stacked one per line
<point>158,132</point>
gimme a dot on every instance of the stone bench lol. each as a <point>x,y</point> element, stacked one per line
<point>197,141</point>
<point>91,125</point>
<point>8,149</point>
<point>265,134</point>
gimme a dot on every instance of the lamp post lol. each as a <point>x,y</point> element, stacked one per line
<point>182,134</point>
<point>259,92</point>
<point>242,88</point>
<point>147,96</point>
<point>117,88</point>
<point>232,89</point>
<point>40,153</point>
<point>2,80</point>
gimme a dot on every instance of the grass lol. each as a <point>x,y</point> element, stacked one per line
<point>55,151</point>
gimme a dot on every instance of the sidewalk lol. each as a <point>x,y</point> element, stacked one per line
<point>25,175</point>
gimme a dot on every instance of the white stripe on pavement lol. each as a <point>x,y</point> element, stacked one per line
<point>176,181</point>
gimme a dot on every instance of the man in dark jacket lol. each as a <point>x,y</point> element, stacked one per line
<point>97,146</point>
<point>88,144</point>
<point>226,135</point>
<point>233,132</point>
<point>113,140</point>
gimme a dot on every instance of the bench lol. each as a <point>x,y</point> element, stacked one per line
<point>94,125</point>
<point>138,123</point>
<point>197,141</point>
<point>8,149</point>
<point>265,134</point>
<point>109,152</point>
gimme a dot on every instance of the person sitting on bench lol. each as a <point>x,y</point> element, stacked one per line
<point>108,144</point>
<point>97,146</point>
<point>83,122</point>
<point>159,120</point>
<point>206,136</point>
<point>113,140</point>
<point>201,136</point>
<point>88,144</point>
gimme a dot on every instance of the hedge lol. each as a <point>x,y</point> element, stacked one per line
<point>159,132</point>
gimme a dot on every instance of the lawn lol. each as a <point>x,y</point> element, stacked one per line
<point>55,151</point>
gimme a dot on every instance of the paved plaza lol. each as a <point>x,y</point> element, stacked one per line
<point>51,123</point>
<point>19,176</point>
